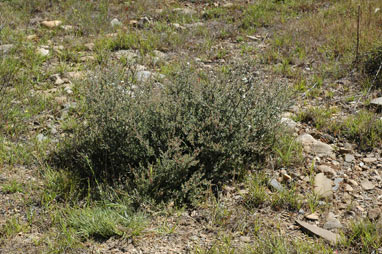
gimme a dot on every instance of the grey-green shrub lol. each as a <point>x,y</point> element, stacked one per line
<point>168,141</point>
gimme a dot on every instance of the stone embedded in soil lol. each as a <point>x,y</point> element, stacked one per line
<point>326,170</point>
<point>289,123</point>
<point>349,157</point>
<point>115,22</point>
<point>374,214</point>
<point>332,222</point>
<point>51,23</point>
<point>42,51</point>
<point>367,185</point>
<point>326,234</point>
<point>313,216</point>
<point>276,185</point>
<point>311,145</point>
<point>369,160</point>
<point>348,188</point>
<point>323,186</point>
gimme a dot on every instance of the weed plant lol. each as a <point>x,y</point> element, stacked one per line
<point>169,141</point>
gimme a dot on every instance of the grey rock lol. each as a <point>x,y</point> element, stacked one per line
<point>349,157</point>
<point>369,160</point>
<point>40,137</point>
<point>326,170</point>
<point>42,51</point>
<point>289,123</point>
<point>348,188</point>
<point>323,186</point>
<point>326,234</point>
<point>115,22</point>
<point>332,222</point>
<point>144,76</point>
<point>367,185</point>
<point>377,101</point>
<point>311,145</point>
<point>337,183</point>
<point>374,214</point>
<point>276,185</point>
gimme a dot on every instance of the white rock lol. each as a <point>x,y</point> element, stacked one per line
<point>377,101</point>
<point>115,22</point>
<point>311,145</point>
<point>289,123</point>
<point>51,23</point>
<point>327,170</point>
<point>144,76</point>
<point>349,157</point>
<point>367,185</point>
<point>40,137</point>
<point>42,51</point>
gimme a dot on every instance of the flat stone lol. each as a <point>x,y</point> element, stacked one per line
<point>306,139</point>
<point>377,101</point>
<point>313,216</point>
<point>332,222</point>
<point>42,51</point>
<point>367,185</point>
<point>276,185</point>
<point>323,186</point>
<point>289,123</point>
<point>369,160</point>
<point>348,188</point>
<point>326,170</point>
<point>51,23</point>
<point>374,214</point>
<point>115,22</point>
<point>311,145</point>
<point>323,149</point>
<point>349,157</point>
<point>325,234</point>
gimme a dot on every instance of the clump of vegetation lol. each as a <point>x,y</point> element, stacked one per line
<point>364,236</point>
<point>170,141</point>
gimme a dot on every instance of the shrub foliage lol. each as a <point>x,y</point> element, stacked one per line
<point>168,141</point>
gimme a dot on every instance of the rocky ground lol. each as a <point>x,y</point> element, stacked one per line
<point>336,182</point>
